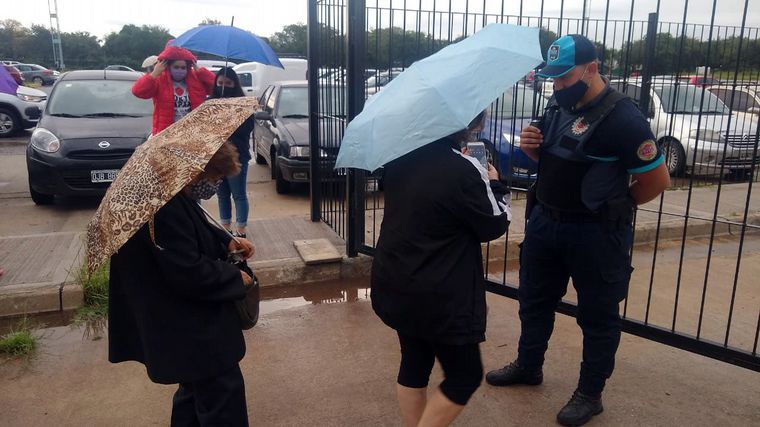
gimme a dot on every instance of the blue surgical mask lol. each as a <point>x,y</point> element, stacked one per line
<point>569,97</point>
<point>204,189</point>
<point>178,74</point>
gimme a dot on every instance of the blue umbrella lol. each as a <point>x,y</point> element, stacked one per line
<point>228,42</point>
<point>439,95</point>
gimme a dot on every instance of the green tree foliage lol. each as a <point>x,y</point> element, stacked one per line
<point>291,40</point>
<point>133,44</point>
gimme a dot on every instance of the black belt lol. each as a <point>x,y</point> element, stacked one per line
<point>576,217</point>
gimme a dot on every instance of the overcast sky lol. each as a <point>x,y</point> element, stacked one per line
<point>265,17</point>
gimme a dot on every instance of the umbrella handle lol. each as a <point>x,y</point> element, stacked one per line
<point>218,224</point>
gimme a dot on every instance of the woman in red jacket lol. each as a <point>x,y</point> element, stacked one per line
<point>176,85</point>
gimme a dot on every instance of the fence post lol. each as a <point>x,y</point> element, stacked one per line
<point>312,47</point>
<point>648,69</point>
<point>356,53</point>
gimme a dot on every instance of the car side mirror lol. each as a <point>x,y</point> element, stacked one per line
<point>263,115</point>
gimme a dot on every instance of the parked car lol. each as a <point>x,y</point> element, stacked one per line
<point>6,62</point>
<point>745,99</point>
<point>15,73</point>
<point>506,117</point>
<point>20,110</point>
<point>214,65</point>
<point>281,133</point>
<point>119,68</point>
<point>255,77</point>
<point>37,73</point>
<point>700,81</point>
<point>90,127</point>
<point>378,81</point>
<point>698,133</point>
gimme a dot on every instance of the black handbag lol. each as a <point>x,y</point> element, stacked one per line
<point>248,307</point>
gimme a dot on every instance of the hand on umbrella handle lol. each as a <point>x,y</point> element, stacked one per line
<point>246,247</point>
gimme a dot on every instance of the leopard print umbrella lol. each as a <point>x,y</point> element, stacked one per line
<point>158,170</point>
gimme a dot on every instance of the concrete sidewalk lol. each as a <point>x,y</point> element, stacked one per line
<point>40,269</point>
<point>322,364</point>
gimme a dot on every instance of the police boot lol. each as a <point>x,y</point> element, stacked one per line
<point>514,374</point>
<point>580,409</point>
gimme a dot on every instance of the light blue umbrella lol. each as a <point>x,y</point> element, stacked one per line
<point>439,95</point>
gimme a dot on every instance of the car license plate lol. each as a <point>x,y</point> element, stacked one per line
<point>106,175</point>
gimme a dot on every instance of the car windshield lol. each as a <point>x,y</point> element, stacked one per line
<point>294,102</point>
<point>683,99</point>
<point>518,102</point>
<point>97,98</point>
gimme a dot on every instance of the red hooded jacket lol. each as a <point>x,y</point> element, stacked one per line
<point>199,83</point>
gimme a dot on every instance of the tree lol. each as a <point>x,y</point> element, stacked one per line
<point>82,50</point>
<point>291,40</point>
<point>11,35</point>
<point>133,44</point>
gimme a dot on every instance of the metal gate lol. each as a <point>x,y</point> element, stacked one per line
<point>694,73</point>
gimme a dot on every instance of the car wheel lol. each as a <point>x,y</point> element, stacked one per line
<point>282,186</point>
<point>40,198</point>
<point>675,157</point>
<point>38,80</point>
<point>10,123</point>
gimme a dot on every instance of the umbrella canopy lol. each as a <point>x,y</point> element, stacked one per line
<point>228,42</point>
<point>439,95</point>
<point>158,170</point>
<point>7,84</point>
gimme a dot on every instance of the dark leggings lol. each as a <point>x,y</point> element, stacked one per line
<point>461,364</point>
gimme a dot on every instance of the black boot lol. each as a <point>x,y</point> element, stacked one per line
<point>580,409</point>
<point>514,374</point>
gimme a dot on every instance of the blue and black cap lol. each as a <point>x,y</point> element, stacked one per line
<point>565,53</point>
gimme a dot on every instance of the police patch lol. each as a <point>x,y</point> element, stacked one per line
<point>647,150</point>
<point>579,127</point>
<point>553,52</point>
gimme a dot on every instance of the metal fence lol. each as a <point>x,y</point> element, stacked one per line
<point>694,79</point>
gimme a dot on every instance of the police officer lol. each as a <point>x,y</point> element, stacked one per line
<point>597,161</point>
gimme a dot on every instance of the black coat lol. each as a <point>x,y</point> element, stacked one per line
<point>427,274</point>
<point>171,304</point>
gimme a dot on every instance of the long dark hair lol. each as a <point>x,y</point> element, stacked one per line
<point>227,92</point>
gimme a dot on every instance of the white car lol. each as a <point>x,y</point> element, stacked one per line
<point>255,77</point>
<point>696,129</point>
<point>20,111</point>
<point>214,65</point>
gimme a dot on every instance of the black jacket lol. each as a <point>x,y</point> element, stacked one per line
<point>427,274</point>
<point>171,304</point>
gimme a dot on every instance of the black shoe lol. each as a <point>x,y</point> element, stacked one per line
<point>514,374</point>
<point>580,409</point>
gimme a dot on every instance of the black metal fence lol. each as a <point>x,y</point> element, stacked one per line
<point>695,76</point>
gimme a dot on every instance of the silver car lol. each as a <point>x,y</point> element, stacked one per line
<point>696,129</point>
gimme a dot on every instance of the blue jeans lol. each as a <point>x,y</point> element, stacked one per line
<point>234,186</point>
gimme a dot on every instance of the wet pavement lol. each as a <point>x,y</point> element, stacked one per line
<point>319,356</point>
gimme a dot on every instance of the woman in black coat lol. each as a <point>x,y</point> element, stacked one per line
<point>427,274</point>
<point>171,304</point>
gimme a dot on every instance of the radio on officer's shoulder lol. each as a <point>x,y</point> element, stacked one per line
<point>478,150</point>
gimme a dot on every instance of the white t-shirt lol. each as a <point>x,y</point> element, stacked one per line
<point>181,101</point>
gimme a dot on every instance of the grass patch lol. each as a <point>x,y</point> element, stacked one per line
<point>95,288</point>
<point>20,341</point>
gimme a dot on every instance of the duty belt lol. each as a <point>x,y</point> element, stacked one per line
<point>573,217</point>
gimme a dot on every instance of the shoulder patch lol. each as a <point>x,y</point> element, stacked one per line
<point>647,150</point>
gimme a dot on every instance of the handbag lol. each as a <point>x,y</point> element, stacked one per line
<point>248,307</point>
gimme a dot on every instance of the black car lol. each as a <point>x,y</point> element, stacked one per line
<point>90,127</point>
<point>281,133</point>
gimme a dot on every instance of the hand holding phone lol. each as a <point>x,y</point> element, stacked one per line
<point>478,150</point>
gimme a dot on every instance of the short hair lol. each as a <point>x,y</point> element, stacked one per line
<point>225,162</point>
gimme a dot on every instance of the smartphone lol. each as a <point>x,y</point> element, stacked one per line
<point>478,150</point>
<point>538,123</point>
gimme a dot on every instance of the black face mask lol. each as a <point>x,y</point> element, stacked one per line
<point>227,92</point>
<point>569,97</point>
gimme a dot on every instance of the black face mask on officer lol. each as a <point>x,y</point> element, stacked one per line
<point>569,97</point>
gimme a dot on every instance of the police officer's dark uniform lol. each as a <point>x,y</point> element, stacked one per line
<point>580,228</point>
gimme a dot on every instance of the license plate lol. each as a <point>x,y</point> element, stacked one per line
<point>106,175</point>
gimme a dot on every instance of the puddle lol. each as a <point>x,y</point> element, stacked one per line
<point>272,299</point>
